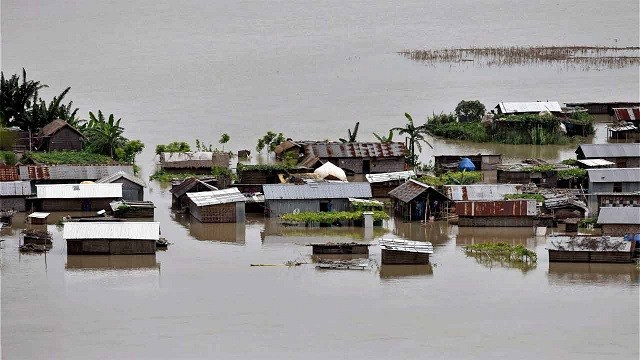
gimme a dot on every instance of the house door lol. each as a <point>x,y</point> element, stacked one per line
<point>86,205</point>
<point>366,166</point>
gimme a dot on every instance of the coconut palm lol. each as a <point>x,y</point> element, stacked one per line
<point>415,138</point>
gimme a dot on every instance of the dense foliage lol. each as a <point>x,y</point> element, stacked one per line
<point>470,110</point>
<point>515,253</point>
<point>452,178</point>
<point>8,158</point>
<point>164,177</point>
<point>67,157</point>
<point>263,167</point>
<point>269,141</point>
<point>176,146</point>
<point>331,217</point>
<point>572,174</point>
<point>469,131</point>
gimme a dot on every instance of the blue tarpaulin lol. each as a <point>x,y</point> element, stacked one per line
<point>466,164</point>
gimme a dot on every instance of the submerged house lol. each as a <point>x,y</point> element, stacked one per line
<point>316,196</point>
<point>381,184</point>
<point>179,191</point>
<point>539,173</point>
<point>13,194</point>
<point>623,155</point>
<point>619,221</point>
<point>132,187</point>
<point>76,197</point>
<point>356,157</point>
<point>218,206</point>
<point>414,201</point>
<point>503,213</point>
<point>67,174</point>
<point>58,135</point>
<point>613,187</point>
<point>598,249</point>
<point>200,162</point>
<point>111,238</point>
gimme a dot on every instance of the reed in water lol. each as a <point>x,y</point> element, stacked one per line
<point>582,56</point>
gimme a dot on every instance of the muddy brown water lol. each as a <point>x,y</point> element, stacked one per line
<point>187,70</point>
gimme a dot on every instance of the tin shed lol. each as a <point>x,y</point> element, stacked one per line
<point>218,206</point>
<point>76,197</point>
<point>316,196</point>
<point>111,238</point>
<point>414,201</point>
<point>132,187</point>
<point>13,194</point>
<point>619,221</point>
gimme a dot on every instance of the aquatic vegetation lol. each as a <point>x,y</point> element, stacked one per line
<point>502,254</point>
<point>584,57</point>
<point>452,178</point>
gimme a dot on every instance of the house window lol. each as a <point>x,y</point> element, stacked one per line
<point>617,187</point>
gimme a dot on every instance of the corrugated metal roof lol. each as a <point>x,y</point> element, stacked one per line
<point>596,162</point>
<point>410,190</point>
<point>121,174</point>
<point>398,175</point>
<point>325,150</point>
<point>71,172</point>
<point>602,243</point>
<point>79,191</point>
<point>627,114</point>
<point>529,107</point>
<point>112,230</point>
<point>15,188</point>
<point>188,184</point>
<point>614,175</point>
<point>39,215</point>
<point>599,151</point>
<point>406,245</point>
<point>619,215</point>
<point>324,190</point>
<point>206,198</point>
<point>488,192</point>
<point>9,173</point>
<point>199,159</point>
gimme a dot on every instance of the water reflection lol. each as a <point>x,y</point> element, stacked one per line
<point>274,232</point>
<point>111,262</point>
<point>438,232</point>
<point>398,271</point>
<point>509,235</point>
<point>223,232</point>
<point>592,273</point>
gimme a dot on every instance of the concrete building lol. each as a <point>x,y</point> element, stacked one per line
<point>623,155</point>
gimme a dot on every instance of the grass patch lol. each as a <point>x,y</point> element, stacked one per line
<point>165,177</point>
<point>67,158</point>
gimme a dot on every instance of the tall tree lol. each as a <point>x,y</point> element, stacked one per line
<point>42,113</point>
<point>16,99</point>
<point>224,138</point>
<point>415,137</point>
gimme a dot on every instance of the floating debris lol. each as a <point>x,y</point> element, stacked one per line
<point>585,57</point>
<point>343,265</point>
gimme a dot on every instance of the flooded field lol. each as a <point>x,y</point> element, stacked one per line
<point>177,71</point>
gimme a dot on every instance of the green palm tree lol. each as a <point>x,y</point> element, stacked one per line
<point>16,99</point>
<point>104,135</point>
<point>415,137</point>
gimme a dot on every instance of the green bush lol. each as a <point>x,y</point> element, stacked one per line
<point>536,197</point>
<point>574,173</point>
<point>176,146</point>
<point>331,217</point>
<point>452,178</point>
<point>8,157</point>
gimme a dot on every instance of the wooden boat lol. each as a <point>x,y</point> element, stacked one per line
<point>405,252</point>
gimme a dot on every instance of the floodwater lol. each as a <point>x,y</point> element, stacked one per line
<point>187,70</point>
